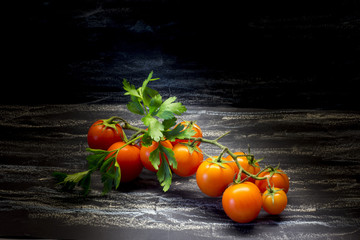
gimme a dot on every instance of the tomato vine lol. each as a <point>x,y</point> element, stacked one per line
<point>160,119</point>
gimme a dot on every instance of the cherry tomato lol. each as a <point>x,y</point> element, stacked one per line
<point>187,163</point>
<point>253,170</point>
<point>129,160</point>
<point>102,137</point>
<point>245,164</point>
<point>212,179</point>
<point>278,180</point>
<point>242,202</point>
<point>145,153</point>
<point>196,128</point>
<point>279,204</point>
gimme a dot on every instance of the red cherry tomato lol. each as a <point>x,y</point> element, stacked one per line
<point>145,153</point>
<point>102,137</point>
<point>129,161</point>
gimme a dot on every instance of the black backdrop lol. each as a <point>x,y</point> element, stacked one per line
<point>270,54</point>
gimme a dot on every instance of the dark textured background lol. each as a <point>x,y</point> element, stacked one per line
<point>270,54</point>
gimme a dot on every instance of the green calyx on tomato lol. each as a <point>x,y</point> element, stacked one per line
<point>218,160</point>
<point>103,133</point>
<point>111,122</point>
<point>270,191</point>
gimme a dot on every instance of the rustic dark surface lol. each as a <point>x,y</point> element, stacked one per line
<point>317,148</point>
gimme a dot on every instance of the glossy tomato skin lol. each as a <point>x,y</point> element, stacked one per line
<point>280,202</point>
<point>213,179</point>
<point>242,202</point>
<point>129,160</point>
<point>244,163</point>
<point>101,137</point>
<point>278,180</point>
<point>145,153</point>
<point>187,164</point>
<point>196,128</point>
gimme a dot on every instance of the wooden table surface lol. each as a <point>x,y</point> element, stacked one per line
<point>319,149</point>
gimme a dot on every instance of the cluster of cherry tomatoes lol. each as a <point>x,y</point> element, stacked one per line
<point>133,157</point>
<point>242,200</point>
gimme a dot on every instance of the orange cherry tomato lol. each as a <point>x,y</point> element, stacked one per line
<point>242,202</point>
<point>213,179</point>
<point>278,180</point>
<point>244,163</point>
<point>278,205</point>
<point>187,164</point>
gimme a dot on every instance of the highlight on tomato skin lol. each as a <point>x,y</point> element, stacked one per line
<point>242,202</point>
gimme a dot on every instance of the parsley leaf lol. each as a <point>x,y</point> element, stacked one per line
<point>179,132</point>
<point>69,181</point>
<point>169,108</point>
<point>147,93</point>
<point>135,106</point>
<point>155,127</point>
<point>164,173</point>
<point>130,89</point>
<point>168,123</point>
<point>155,103</point>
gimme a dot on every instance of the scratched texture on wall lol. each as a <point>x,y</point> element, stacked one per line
<point>266,54</point>
<point>317,148</point>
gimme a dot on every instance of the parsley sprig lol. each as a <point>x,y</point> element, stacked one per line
<point>159,116</point>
